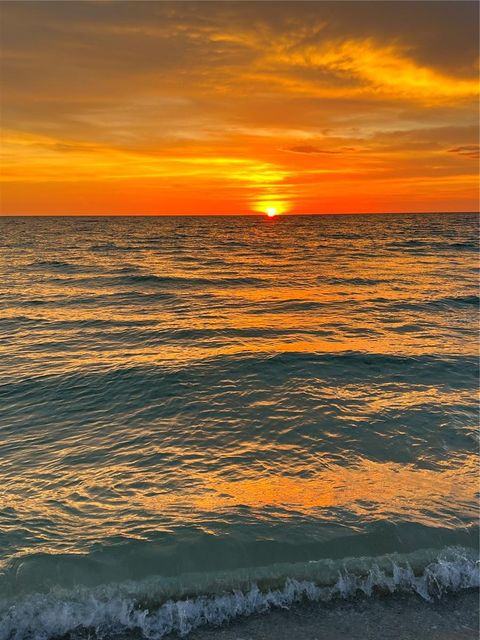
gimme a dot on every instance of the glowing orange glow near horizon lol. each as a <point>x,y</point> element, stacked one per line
<point>237,108</point>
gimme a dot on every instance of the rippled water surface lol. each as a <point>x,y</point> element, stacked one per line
<point>209,402</point>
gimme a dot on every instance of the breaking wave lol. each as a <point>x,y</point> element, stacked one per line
<point>159,606</point>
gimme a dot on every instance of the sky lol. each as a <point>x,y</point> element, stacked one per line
<point>238,107</point>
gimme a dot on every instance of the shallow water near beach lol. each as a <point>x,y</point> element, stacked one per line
<point>207,417</point>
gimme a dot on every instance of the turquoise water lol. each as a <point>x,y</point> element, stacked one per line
<point>203,417</point>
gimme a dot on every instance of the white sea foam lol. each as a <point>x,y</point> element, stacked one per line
<point>141,607</point>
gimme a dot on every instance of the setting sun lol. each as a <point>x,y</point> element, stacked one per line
<point>271,212</point>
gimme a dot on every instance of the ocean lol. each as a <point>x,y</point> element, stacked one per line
<point>208,417</point>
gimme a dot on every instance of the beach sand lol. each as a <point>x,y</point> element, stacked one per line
<point>455,617</point>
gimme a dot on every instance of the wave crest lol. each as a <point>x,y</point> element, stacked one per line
<point>150,608</point>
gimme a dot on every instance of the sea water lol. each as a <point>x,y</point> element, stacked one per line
<point>204,417</point>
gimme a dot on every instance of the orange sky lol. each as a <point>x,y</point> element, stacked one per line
<point>236,107</point>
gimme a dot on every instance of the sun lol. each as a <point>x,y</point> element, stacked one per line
<point>271,207</point>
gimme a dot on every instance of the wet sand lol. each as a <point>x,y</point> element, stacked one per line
<point>455,617</point>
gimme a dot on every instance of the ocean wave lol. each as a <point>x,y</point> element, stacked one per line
<point>104,246</point>
<point>347,367</point>
<point>97,300</point>
<point>453,301</point>
<point>127,278</point>
<point>351,281</point>
<point>53,265</point>
<point>190,280</point>
<point>429,304</point>
<point>156,607</point>
<point>287,306</point>
<point>431,245</point>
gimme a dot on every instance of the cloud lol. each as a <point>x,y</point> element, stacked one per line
<point>380,70</point>
<point>307,148</point>
<point>469,150</point>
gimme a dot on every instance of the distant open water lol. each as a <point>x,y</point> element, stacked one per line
<point>205,417</point>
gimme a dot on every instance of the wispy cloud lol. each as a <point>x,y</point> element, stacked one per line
<point>308,148</point>
<point>469,150</point>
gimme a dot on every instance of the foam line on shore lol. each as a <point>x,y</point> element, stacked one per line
<point>152,608</point>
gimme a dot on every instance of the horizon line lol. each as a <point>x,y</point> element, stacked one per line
<point>229,215</point>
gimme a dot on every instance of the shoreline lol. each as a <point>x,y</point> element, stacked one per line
<point>396,617</point>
